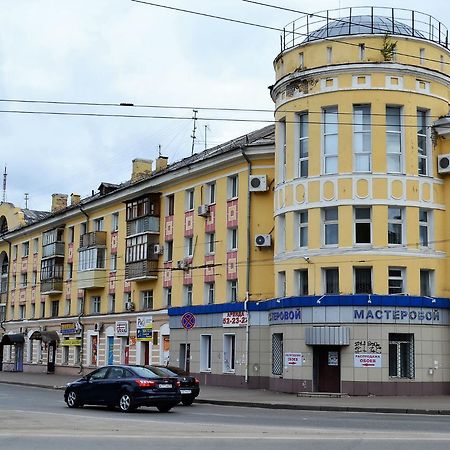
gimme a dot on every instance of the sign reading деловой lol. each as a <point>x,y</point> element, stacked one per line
<point>367,360</point>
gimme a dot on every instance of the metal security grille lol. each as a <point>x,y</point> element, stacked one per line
<point>401,355</point>
<point>277,353</point>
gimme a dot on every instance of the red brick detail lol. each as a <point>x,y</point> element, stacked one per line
<point>189,223</point>
<point>232,213</point>
<point>232,273</point>
<point>167,276</point>
<point>33,295</point>
<point>210,223</point>
<point>168,228</point>
<point>22,296</point>
<point>24,265</point>
<point>80,293</point>
<point>127,286</point>
<point>14,268</point>
<point>68,289</point>
<point>187,274</point>
<point>70,253</point>
<point>114,242</point>
<point>210,272</point>
<point>112,283</point>
<point>35,262</point>
<point>13,297</point>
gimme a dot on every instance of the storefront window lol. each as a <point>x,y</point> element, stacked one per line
<point>401,355</point>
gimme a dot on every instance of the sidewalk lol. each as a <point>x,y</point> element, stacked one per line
<point>260,398</point>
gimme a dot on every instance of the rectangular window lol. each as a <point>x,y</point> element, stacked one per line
<point>21,312</point>
<point>282,150</point>
<point>211,193</point>
<point>395,226</point>
<point>83,228</point>
<point>147,299</point>
<point>282,284</point>
<point>362,51</point>
<point>71,235</point>
<point>99,224</point>
<point>303,229</point>
<point>25,249</point>
<point>189,199</point>
<point>229,352</point>
<point>281,233</point>
<point>232,186</point>
<point>422,56</point>
<point>168,248</point>
<point>14,252</point>
<point>331,228</point>
<point>55,308</point>
<point>33,312</point>
<point>96,304</point>
<point>363,225</point>
<point>210,243</point>
<point>23,280</point>
<point>91,258</point>
<point>233,291</point>
<point>170,205</point>
<point>302,281</point>
<point>330,140</point>
<point>113,263</point>
<point>188,295</point>
<point>329,55</point>
<point>34,278</point>
<point>363,280</point>
<point>401,355</point>
<point>396,282</point>
<point>424,227</point>
<point>277,354</point>
<point>65,355</point>
<point>42,311</point>
<point>362,138</point>
<point>210,293</point>
<point>232,239</point>
<point>303,155</point>
<point>423,143</point>
<point>69,271</point>
<point>189,246</point>
<point>426,282</point>
<point>35,245</point>
<point>114,221</point>
<point>205,352</point>
<point>68,307</point>
<point>301,60</point>
<point>393,139</point>
<point>168,296</point>
<point>331,280</point>
<point>112,303</point>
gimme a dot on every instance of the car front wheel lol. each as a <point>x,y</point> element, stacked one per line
<point>72,400</point>
<point>126,403</point>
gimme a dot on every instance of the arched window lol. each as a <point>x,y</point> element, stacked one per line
<point>3,225</point>
<point>3,272</point>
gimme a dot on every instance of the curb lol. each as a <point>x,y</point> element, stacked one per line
<point>285,406</point>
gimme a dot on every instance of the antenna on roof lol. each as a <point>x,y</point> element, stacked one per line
<point>26,196</point>
<point>193,130</point>
<point>206,140</point>
<point>159,151</point>
<point>5,175</point>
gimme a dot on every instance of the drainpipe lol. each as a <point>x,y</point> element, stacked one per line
<point>247,286</point>
<point>7,283</point>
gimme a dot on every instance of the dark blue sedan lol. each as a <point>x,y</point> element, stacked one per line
<point>126,387</point>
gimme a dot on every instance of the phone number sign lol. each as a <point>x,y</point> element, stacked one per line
<point>235,319</point>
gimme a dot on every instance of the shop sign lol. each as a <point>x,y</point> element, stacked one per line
<point>144,327</point>
<point>71,342</point>
<point>234,319</point>
<point>293,359</point>
<point>122,329</point>
<point>285,315</point>
<point>394,315</point>
<point>68,328</point>
<point>367,360</point>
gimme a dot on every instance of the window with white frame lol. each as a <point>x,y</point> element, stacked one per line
<point>363,225</point>
<point>282,150</point>
<point>68,306</point>
<point>232,239</point>
<point>233,290</point>
<point>170,202</point>
<point>189,246</point>
<point>395,225</point>
<point>65,354</point>
<point>303,155</point>
<point>301,277</point>
<point>33,312</point>
<point>36,245</point>
<point>401,355</point>
<point>96,302</point>
<point>426,282</point>
<point>114,221</point>
<point>423,144</point>
<point>362,138</point>
<point>330,140</point>
<point>189,199</point>
<point>424,227</point>
<point>281,233</point>
<point>112,303</point>
<point>113,262</point>
<point>147,299</point>
<point>69,271</point>
<point>331,227</point>
<point>282,284</point>
<point>188,294</point>
<point>168,251</point>
<point>21,312</point>
<point>210,243</point>
<point>25,249</point>
<point>91,258</point>
<point>42,310</point>
<point>422,56</point>
<point>99,224</point>
<point>71,234</point>
<point>14,252</point>
<point>303,229</point>
<point>205,352</point>
<point>329,55</point>
<point>211,193</point>
<point>168,296</point>
<point>396,280</point>
<point>363,280</point>
<point>232,182</point>
<point>23,280</point>
<point>210,293</point>
<point>394,139</point>
<point>331,280</point>
<point>229,352</point>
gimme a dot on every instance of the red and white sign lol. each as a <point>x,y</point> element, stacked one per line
<point>368,360</point>
<point>235,319</point>
<point>293,359</point>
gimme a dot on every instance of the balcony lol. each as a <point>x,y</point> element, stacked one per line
<point>52,286</point>
<point>53,250</point>
<point>92,279</point>
<point>141,271</point>
<point>93,239</point>
<point>149,224</point>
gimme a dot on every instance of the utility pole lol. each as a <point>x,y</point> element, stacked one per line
<point>206,140</point>
<point>27,196</point>
<point>193,130</point>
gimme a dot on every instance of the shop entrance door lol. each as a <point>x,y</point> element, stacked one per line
<point>327,369</point>
<point>18,360</point>
<point>110,350</point>
<point>51,357</point>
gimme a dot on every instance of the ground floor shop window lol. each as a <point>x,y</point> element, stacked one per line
<point>205,352</point>
<point>229,351</point>
<point>77,358</point>
<point>401,355</point>
<point>277,353</point>
<point>65,354</point>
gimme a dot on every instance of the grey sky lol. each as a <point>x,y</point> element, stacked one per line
<point>118,51</point>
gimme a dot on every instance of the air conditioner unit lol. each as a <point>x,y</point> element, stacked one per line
<point>183,264</point>
<point>263,240</point>
<point>257,183</point>
<point>444,163</point>
<point>158,249</point>
<point>129,306</point>
<point>203,210</point>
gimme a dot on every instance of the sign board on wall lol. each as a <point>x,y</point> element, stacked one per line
<point>122,328</point>
<point>293,359</point>
<point>70,342</point>
<point>68,328</point>
<point>144,328</point>
<point>367,360</point>
<point>234,319</point>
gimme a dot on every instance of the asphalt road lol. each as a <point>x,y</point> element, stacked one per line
<point>37,419</point>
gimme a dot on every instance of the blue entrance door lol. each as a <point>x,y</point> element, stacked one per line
<point>110,349</point>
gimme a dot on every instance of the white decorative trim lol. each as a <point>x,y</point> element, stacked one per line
<point>324,84</point>
<point>423,86</point>
<point>389,82</point>
<point>391,181</point>
<point>355,187</point>
<point>366,85</point>
<point>334,182</point>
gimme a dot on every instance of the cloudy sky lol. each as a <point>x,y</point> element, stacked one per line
<point>113,51</point>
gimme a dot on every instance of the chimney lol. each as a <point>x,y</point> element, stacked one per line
<point>74,199</point>
<point>142,168</point>
<point>161,163</point>
<point>59,201</point>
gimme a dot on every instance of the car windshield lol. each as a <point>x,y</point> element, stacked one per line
<point>144,372</point>
<point>163,372</point>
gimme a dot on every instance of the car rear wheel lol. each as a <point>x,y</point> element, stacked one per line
<point>164,408</point>
<point>72,400</point>
<point>126,403</point>
<point>187,401</point>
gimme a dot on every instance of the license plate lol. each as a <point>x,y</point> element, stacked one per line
<point>165,386</point>
<point>185,391</point>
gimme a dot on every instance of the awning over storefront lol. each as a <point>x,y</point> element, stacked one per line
<point>45,336</point>
<point>327,336</point>
<point>11,339</point>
